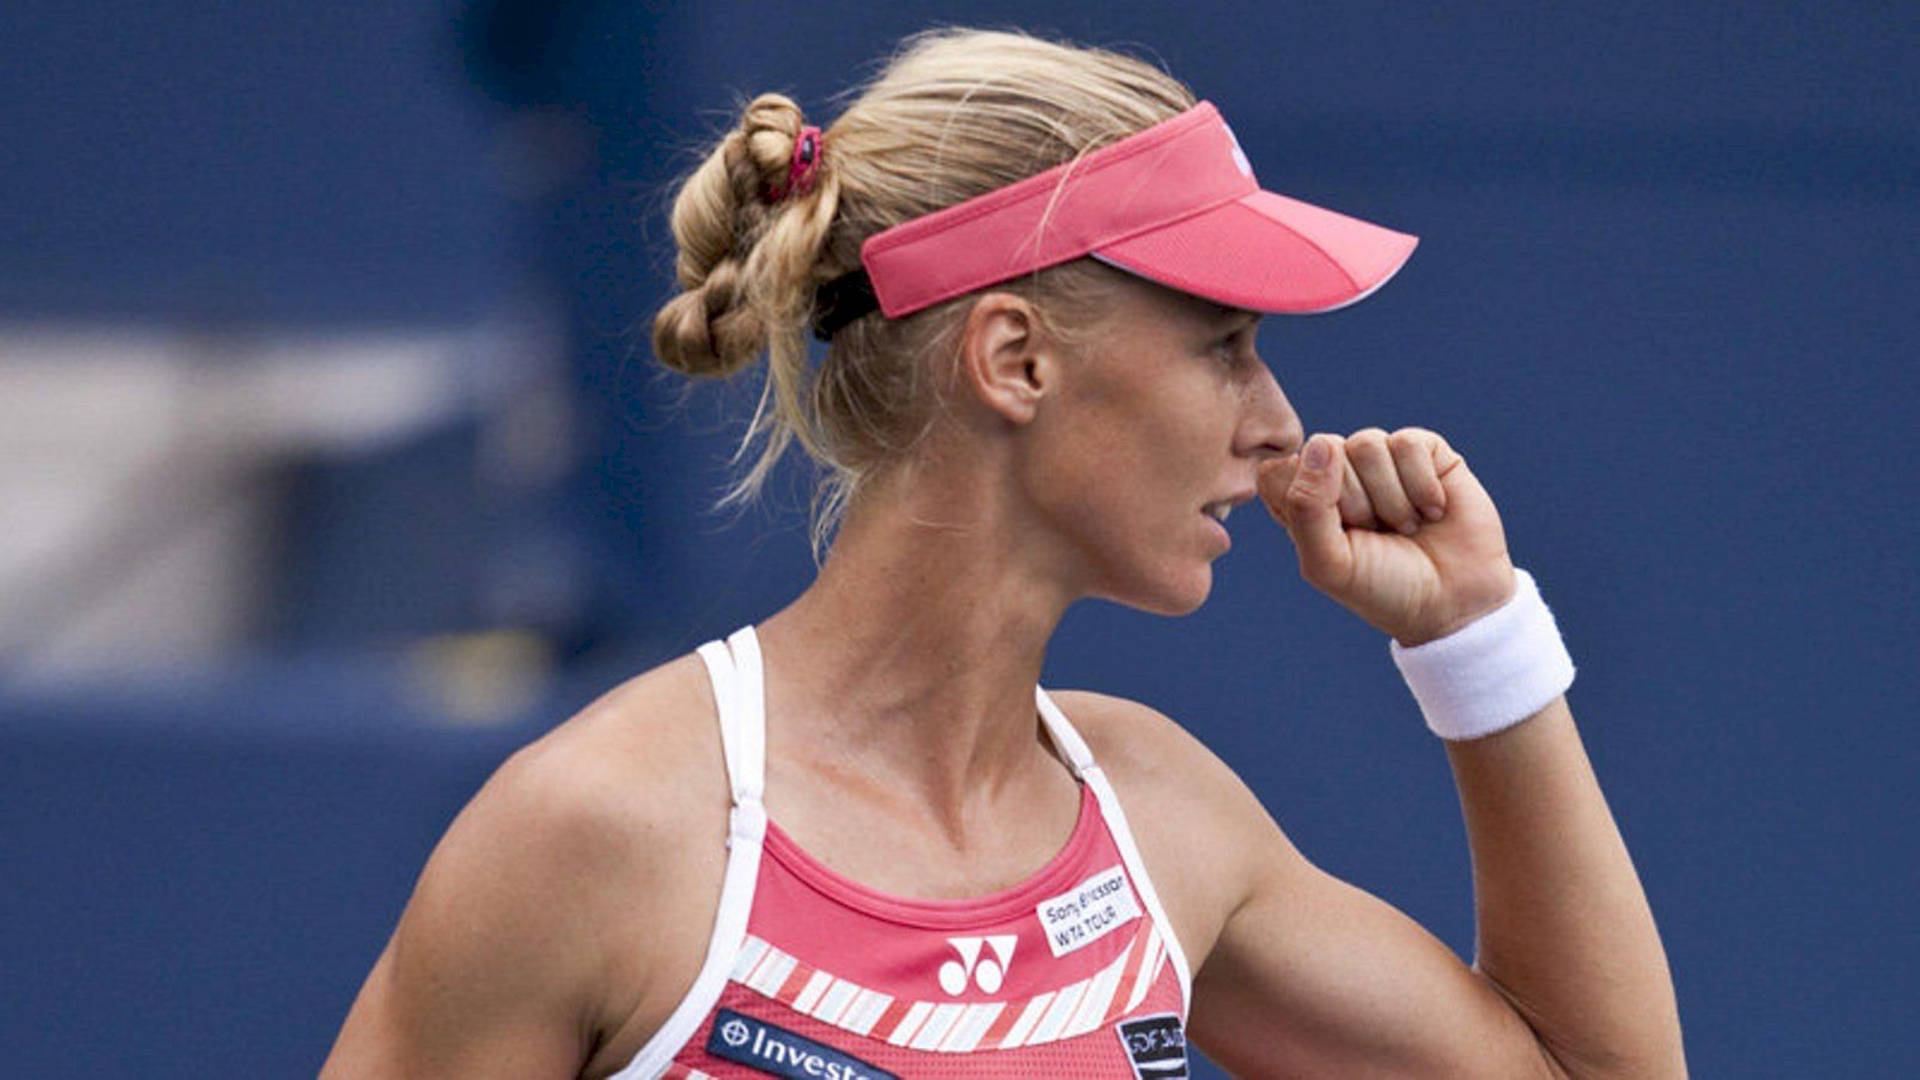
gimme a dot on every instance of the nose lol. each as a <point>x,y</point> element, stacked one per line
<point>1268,425</point>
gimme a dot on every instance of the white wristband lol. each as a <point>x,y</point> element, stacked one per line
<point>1491,673</point>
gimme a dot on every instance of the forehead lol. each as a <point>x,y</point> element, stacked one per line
<point>1222,315</point>
<point>1153,300</point>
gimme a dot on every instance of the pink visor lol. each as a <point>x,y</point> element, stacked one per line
<point>1176,204</point>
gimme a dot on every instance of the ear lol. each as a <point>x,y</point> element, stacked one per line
<point>1005,358</point>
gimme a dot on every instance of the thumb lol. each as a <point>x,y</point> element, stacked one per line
<point>1309,506</point>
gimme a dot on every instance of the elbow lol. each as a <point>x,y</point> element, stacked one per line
<point>1621,1042</point>
<point>1652,1055</point>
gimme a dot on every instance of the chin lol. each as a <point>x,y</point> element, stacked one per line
<point>1169,597</point>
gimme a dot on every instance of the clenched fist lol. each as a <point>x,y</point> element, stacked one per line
<point>1394,527</point>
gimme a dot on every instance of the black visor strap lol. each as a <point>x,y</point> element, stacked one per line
<point>841,301</point>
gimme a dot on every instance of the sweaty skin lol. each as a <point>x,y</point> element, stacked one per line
<point>567,910</point>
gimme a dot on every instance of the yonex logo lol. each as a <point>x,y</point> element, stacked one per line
<point>988,973</point>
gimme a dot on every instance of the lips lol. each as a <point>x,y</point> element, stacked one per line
<point>1220,508</point>
<point>1221,538</point>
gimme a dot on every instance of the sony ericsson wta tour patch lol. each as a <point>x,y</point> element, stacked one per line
<point>779,1052</point>
<point>1088,912</point>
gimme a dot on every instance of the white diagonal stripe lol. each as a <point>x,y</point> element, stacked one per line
<point>943,1017</point>
<point>867,1009</point>
<point>1149,966</point>
<point>772,972</point>
<point>768,955</point>
<point>751,952</point>
<point>972,1024</point>
<point>817,984</point>
<point>1093,1007</point>
<point>1048,1029</point>
<point>1017,1034</point>
<point>910,1023</point>
<point>1136,946</point>
<point>835,1001</point>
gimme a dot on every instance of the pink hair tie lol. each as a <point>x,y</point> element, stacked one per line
<point>805,163</point>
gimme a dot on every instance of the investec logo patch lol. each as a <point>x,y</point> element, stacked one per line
<point>1157,1046</point>
<point>780,1052</point>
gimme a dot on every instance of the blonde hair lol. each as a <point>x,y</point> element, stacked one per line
<point>954,114</point>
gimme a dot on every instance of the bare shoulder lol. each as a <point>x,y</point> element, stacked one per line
<point>1128,736</point>
<point>1204,835</point>
<point>613,820</point>
<point>526,937</point>
<point>613,789</point>
<point>643,754</point>
<point>1157,761</point>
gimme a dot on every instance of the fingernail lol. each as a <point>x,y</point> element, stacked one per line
<point>1433,513</point>
<point>1317,455</point>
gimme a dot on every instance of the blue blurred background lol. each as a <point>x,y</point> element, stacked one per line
<point>333,465</point>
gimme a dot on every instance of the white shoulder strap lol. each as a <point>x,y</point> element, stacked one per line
<point>739,697</point>
<point>1074,748</point>
<point>1065,738</point>
<point>743,712</point>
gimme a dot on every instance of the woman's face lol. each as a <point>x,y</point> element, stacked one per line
<point>1165,413</point>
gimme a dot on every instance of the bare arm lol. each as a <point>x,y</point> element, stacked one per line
<point>480,978</point>
<point>1311,976</point>
<point>1571,979</point>
<point>1563,924</point>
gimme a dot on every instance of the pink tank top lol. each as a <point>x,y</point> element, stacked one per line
<point>1073,973</point>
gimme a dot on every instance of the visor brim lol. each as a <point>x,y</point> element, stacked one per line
<point>1266,252</point>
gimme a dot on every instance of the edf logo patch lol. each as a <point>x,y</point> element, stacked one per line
<point>1156,1045</point>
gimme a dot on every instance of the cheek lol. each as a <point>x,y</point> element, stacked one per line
<point>1156,448</point>
<point>1097,484</point>
<point>1135,494</point>
<point>1142,434</point>
<point>1181,431</point>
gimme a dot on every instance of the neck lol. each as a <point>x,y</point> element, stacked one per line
<point>915,653</point>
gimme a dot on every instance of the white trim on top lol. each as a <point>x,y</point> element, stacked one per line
<point>1070,743</point>
<point>743,742</point>
<point>1348,302</point>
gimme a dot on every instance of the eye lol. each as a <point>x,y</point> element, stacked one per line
<point>1230,340</point>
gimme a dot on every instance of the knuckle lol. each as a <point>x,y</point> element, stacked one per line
<point>1369,437</point>
<point>1411,438</point>
<point>1298,498</point>
<point>1320,569</point>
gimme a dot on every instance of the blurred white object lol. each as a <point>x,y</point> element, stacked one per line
<point>136,499</point>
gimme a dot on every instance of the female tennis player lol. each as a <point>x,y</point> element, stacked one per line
<point>856,840</point>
